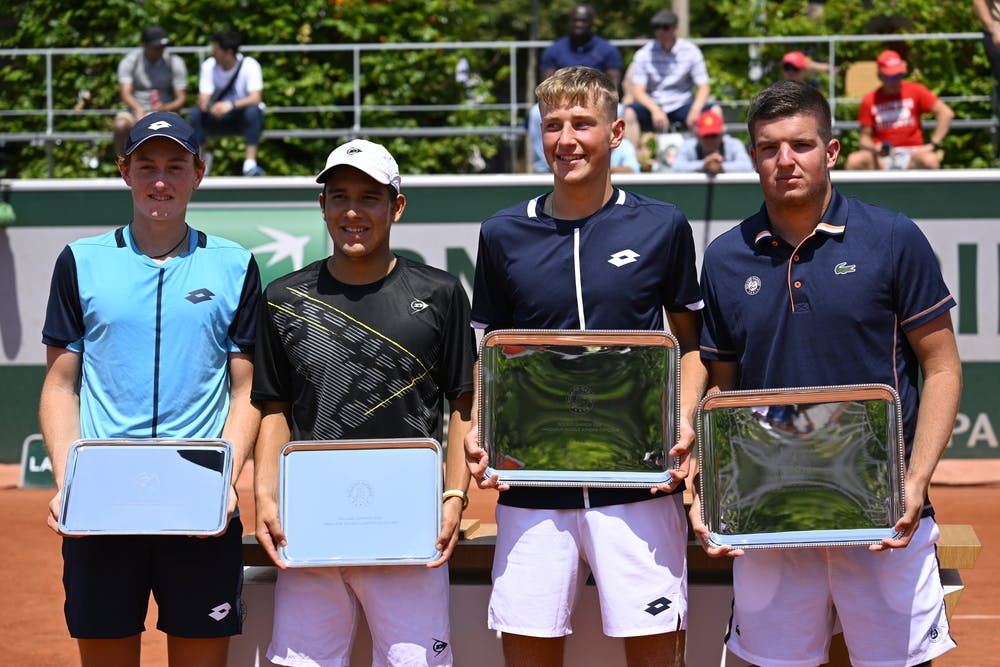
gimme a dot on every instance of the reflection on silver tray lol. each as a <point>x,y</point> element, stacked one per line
<point>816,466</point>
<point>154,486</point>
<point>579,408</point>
<point>360,502</point>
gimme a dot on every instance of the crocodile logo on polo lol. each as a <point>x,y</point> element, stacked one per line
<point>843,268</point>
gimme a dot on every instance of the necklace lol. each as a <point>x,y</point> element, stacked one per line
<point>176,246</point>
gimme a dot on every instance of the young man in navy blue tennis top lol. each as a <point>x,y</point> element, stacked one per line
<point>149,333</point>
<point>820,289</point>
<point>588,255</point>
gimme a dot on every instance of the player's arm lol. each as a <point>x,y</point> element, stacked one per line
<point>275,431</point>
<point>722,376</point>
<point>59,416</point>
<point>936,350</point>
<point>456,476</point>
<point>243,419</point>
<point>685,326</point>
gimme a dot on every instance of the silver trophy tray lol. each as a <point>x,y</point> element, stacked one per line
<point>579,408</point>
<point>815,466</point>
<point>360,502</point>
<point>127,486</point>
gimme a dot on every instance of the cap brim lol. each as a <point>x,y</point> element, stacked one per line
<point>189,147</point>
<point>324,175</point>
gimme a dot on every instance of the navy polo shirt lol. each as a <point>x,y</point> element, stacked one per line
<point>596,52</point>
<point>832,311</point>
<point>619,268</point>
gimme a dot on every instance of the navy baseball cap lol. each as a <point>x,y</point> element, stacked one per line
<point>162,124</point>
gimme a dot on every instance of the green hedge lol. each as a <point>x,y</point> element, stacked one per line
<point>299,78</point>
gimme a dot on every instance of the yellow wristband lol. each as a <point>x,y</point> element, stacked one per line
<point>456,493</point>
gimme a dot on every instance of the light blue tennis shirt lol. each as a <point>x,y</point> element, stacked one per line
<point>155,338</point>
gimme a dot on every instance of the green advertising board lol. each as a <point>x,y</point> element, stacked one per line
<point>279,220</point>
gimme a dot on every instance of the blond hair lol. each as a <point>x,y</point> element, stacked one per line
<point>579,85</point>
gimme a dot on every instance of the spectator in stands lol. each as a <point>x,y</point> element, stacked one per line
<point>669,81</point>
<point>405,328</point>
<point>797,66</point>
<point>891,136</point>
<point>625,159</point>
<point>118,367</point>
<point>149,79</point>
<point>580,46</point>
<point>988,13</point>
<point>230,98</point>
<point>712,151</point>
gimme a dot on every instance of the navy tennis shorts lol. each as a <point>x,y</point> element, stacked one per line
<point>197,582</point>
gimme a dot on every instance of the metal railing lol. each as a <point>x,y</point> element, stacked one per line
<point>521,57</point>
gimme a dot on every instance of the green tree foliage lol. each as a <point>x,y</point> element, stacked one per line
<point>298,78</point>
<point>292,78</point>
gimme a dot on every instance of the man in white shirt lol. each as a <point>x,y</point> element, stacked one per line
<point>229,97</point>
<point>668,80</point>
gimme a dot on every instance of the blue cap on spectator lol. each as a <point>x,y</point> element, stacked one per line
<point>162,124</point>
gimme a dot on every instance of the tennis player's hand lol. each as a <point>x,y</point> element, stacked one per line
<point>908,523</point>
<point>269,533</point>
<point>451,520</point>
<point>682,452</point>
<point>478,461</point>
<point>53,517</point>
<point>702,534</point>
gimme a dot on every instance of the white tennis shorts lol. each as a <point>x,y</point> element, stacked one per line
<point>316,614</point>
<point>637,553</point>
<point>890,604</point>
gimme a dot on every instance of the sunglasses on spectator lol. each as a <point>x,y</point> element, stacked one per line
<point>663,26</point>
<point>894,77</point>
<point>789,67</point>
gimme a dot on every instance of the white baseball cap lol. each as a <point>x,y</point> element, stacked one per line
<point>370,158</point>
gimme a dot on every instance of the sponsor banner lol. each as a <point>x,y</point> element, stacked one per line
<point>286,235</point>
<point>36,468</point>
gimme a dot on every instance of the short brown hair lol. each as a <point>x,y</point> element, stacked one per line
<point>579,85</point>
<point>790,98</point>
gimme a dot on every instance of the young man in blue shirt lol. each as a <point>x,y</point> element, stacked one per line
<point>819,289</point>
<point>149,333</point>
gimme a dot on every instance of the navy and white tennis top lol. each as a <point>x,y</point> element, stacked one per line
<point>616,269</point>
<point>155,338</point>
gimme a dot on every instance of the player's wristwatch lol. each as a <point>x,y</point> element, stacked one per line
<point>935,145</point>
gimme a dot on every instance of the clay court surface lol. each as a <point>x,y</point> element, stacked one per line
<point>33,633</point>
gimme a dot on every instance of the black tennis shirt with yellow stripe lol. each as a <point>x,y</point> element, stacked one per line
<point>364,361</point>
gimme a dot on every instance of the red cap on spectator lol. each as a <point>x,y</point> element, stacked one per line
<point>708,123</point>
<point>890,63</point>
<point>796,59</point>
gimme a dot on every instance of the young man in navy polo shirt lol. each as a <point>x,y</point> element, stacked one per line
<point>819,289</point>
<point>590,256</point>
